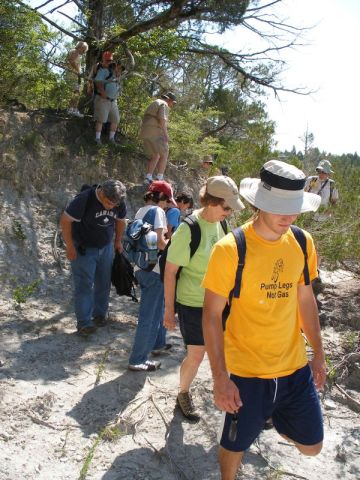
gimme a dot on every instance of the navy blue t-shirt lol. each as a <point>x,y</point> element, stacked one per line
<point>93,225</point>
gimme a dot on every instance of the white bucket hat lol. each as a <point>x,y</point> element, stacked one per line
<point>279,190</point>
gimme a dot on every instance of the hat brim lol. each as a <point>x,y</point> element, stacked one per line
<point>277,201</point>
<point>172,200</point>
<point>321,169</point>
<point>235,203</point>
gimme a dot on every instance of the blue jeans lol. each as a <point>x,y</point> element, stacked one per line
<point>150,332</point>
<point>92,281</point>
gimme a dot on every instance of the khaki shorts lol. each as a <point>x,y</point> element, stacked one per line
<point>105,110</point>
<point>156,146</point>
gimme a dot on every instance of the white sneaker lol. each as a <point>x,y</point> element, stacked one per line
<point>148,366</point>
<point>76,113</point>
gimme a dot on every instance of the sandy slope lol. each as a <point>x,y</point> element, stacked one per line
<point>59,391</point>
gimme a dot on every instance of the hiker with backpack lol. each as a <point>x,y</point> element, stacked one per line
<point>184,270</point>
<point>106,92</point>
<point>184,202</point>
<point>155,136</point>
<point>73,76</point>
<point>259,364</point>
<point>90,224</point>
<point>150,332</point>
<point>323,185</point>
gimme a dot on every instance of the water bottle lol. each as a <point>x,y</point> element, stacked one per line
<point>151,242</point>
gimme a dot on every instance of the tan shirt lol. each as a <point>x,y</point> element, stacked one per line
<point>156,111</point>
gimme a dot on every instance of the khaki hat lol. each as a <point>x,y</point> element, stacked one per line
<point>224,187</point>
<point>279,190</point>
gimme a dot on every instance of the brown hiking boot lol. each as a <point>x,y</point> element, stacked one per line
<point>185,403</point>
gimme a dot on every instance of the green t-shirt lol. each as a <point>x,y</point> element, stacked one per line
<point>189,291</point>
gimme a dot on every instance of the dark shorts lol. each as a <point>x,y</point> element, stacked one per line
<point>190,321</point>
<point>291,401</point>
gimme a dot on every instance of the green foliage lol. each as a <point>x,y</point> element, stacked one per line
<point>185,131</point>
<point>25,74</point>
<point>22,292</point>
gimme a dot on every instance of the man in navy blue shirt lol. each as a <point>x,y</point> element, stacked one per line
<point>88,226</point>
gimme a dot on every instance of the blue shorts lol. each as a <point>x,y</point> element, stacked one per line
<point>291,401</point>
<point>190,321</point>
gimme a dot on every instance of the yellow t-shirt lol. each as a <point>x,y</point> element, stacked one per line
<point>262,337</point>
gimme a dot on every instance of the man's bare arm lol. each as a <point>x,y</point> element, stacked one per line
<point>66,229</point>
<point>310,325</point>
<point>119,231</point>
<point>226,394</point>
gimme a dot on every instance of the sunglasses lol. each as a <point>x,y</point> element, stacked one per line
<point>226,209</point>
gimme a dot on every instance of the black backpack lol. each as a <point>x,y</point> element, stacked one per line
<point>241,249</point>
<point>122,277</point>
<point>195,233</point>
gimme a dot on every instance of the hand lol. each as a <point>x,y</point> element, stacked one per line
<point>318,367</point>
<point>226,395</point>
<point>71,253</point>
<point>169,319</point>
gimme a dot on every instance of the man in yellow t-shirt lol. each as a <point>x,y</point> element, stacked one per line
<point>262,348</point>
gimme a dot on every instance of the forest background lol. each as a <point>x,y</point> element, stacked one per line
<point>167,45</point>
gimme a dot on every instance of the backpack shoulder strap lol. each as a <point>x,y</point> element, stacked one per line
<point>149,216</point>
<point>195,233</point>
<point>225,226</point>
<point>301,239</point>
<point>241,249</point>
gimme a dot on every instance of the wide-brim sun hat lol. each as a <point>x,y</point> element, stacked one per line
<point>224,187</point>
<point>324,166</point>
<point>279,190</point>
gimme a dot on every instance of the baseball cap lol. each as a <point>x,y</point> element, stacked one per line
<point>224,187</point>
<point>163,187</point>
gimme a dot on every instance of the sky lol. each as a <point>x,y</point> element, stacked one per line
<point>328,65</point>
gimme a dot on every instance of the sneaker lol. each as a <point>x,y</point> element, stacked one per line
<point>113,141</point>
<point>85,331</point>
<point>148,366</point>
<point>100,321</point>
<point>186,405</point>
<point>148,181</point>
<point>76,113</point>
<point>98,141</point>
<point>159,351</point>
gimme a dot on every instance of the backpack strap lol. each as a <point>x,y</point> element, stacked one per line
<point>241,249</point>
<point>195,233</point>
<point>301,239</point>
<point>224,226</point>
<point>149,216</point>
